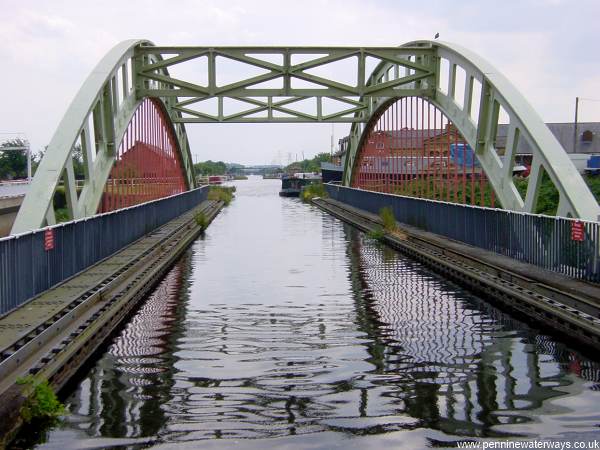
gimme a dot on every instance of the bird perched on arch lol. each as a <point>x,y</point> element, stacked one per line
<point>437,35</point>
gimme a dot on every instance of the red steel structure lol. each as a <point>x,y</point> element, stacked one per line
<point>413,149</point>
<point>148,164</point>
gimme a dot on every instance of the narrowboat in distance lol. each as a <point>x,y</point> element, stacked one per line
<point>291,185</point>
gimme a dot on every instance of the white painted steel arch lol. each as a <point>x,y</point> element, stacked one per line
<point>576,200</point>
<point>133,69</point>
<point>97,120</point>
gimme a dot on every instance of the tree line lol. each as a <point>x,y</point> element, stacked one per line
<point>13,163</point>
<point>309,165</point>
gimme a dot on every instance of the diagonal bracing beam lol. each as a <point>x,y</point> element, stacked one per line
<point>268,100</point>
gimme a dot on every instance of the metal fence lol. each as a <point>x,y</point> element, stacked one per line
<point>27,268</point>
<point>562,245</point>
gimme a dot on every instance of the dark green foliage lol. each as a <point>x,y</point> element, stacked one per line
<point>548,196</point>
<point>547,202</point>
<point>78,162</point>
<point>41,402</point>
<point>593,183</point>
<point>472,193</point>
<point>521,185</point>
<point>309,165</point>
<point>60,199</point>
<point>13,163</point>
<point>378,234</point>
<point>62,215</point>
<point>201,220</point>
<point>60,205</point>
<point>469,193</point>
<point>210,168</point>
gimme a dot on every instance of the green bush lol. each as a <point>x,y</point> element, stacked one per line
<point>201,221</point>
<point>221,193</point>
<point>388,219</point>
<point>62,215</point>
<point>41,402</point>
<point>378,234</point>
<point>547,201</point>
<point>313,190</point>
<point>593,182</point>
<point>472,191</point>
<point>60,199</point>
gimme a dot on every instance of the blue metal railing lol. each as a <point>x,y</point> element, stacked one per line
<point>27,269</point>
<point>543,241</point>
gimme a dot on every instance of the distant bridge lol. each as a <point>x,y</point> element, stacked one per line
<point>261,169</point>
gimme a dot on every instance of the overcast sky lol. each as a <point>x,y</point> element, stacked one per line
<point>547,48</point>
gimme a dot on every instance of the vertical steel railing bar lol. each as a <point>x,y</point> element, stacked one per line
<point>539,240</point>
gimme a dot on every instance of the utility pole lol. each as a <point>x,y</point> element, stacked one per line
<point>28,163</point>
<point>575,128</point>
<point>331,148</point>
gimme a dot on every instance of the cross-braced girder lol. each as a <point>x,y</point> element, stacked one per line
<point>296,84</point>
<point>277,101</point>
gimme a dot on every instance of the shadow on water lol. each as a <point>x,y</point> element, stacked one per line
<point>285,324</point>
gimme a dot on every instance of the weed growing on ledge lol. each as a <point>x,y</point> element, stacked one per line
<point>387,219</point>
<point>41,403</point>
<point>221,193</point>
<point>378,234</point>
<point>313,190</point>
<point>389,225</point>
<point>201,220</point>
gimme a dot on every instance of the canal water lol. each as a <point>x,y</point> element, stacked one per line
<point>282,327</point>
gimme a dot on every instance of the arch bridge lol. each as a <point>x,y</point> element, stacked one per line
<point>124,133</point>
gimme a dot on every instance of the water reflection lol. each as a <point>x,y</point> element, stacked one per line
<point>465,367</point>
<point>123,393</point>
<point>291,326</point>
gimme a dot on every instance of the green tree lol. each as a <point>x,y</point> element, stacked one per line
<point>210,168</point>
<point>13,164</point>
<point>77,156</point>
<point>311,165</point>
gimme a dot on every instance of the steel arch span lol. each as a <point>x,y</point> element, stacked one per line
<point>283,81</point>
<point>129,145</point>
<point>474,95</point>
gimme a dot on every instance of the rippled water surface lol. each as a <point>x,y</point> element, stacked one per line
<point>284,328</point>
